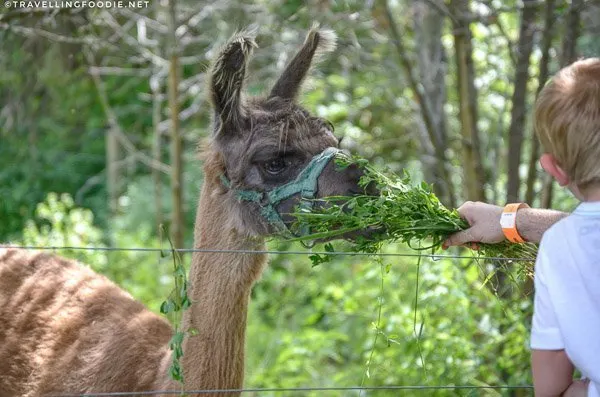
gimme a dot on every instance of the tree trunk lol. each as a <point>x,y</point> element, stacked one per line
<point>176,146</point>
<point>425,106</point>
<point>432,70</point>
<point>572,32</point>
<point>496,152</point>
<point>505,289</point>
<point>156,151</point>
<point>473,172</point>
<point>568,55</point>
<point>519,99</point>
<point>547,37</point>
<point>112,177</point>
<point>112,170</point>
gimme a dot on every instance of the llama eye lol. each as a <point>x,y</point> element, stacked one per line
<point>275,166</point>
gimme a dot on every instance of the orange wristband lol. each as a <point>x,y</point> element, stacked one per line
<point>508,222</point>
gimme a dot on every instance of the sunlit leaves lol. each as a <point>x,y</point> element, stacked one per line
<point>402,211</point>
<point>172,307</point>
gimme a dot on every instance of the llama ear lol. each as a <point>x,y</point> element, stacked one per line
<point>227,79</point>
<point>318,41</point>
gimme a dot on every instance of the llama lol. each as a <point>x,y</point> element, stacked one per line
<point>65,329</point>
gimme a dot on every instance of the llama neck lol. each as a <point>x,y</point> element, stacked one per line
<point>220,285</point>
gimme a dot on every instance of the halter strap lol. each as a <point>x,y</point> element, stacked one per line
<point>306,184</point>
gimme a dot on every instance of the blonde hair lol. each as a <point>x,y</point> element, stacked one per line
<point>567,121</point>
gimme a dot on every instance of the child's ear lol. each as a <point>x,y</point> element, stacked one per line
<point>550,165</point>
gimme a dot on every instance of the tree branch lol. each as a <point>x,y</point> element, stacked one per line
<point>442,9</point>
<point>36,32</point>
<point>177,224</point>
<point>546,46</point>
<point>117,71</point>
<point>133,43</point>
<point>474,175</point>
<point>421,99</point>
<point>115,127</point>
<point>519,97</point>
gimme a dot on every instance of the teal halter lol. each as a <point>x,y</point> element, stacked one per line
<point>306,184</point>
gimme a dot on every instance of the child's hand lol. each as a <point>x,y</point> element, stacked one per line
<point>578,388</point>
<point>485,224</point>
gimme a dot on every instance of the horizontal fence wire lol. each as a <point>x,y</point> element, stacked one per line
<point>297,389</point>
<point>277,252</point>
<point>273,252</point>
<point>279,390</point>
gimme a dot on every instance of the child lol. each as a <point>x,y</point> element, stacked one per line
<point>566,322</point>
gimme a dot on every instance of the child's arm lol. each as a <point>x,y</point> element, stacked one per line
<point>552,372</point>
<point>485,223</point>
<point>579,388</point>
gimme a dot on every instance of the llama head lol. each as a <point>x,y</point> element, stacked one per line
<point>261,146</point>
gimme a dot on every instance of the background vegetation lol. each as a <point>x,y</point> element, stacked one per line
<point>101,111</point>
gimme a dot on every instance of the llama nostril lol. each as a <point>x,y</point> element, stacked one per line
<point>371,189</point>
<point>354,173</point>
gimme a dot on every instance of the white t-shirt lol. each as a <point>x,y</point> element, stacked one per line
<point>567,291</point>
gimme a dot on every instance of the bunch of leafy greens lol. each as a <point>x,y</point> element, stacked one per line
<point>402,211</point>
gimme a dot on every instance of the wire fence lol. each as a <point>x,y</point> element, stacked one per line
<point>273,252</point>
<point>296,390</point>
<point>422,388</point>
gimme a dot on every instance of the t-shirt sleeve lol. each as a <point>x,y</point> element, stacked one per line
<point>545,334</point>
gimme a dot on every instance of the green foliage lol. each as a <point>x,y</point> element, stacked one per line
<point>51,136</point>
<point>58,223</point>
<point>137,203</point>
<point>173,307</point>
<point>322,328</point>
<point>402,211</point>
<point>307,326</point>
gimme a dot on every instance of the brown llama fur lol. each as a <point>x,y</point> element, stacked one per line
<point>65,329</point>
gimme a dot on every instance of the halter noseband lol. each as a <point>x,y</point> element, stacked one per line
<point>306,183</point>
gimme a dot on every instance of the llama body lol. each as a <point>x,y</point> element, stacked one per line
<point>62,326</point>
<point>65,329</point>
